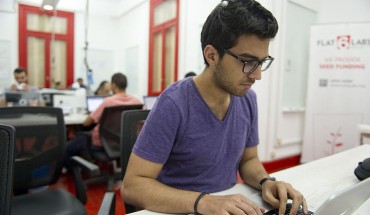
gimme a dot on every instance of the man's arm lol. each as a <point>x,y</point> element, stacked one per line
<point>250,168</point>
<point>140,188</point>
<point>275,193</point>
<point>88,121</point>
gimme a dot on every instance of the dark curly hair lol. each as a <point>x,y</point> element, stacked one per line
<point>233,18</point>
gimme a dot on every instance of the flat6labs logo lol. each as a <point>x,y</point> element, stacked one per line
<point>344,42</point>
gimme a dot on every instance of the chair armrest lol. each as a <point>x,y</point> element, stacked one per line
<point>79,164</point>
<point>108,204</point>
<point>85,165</point>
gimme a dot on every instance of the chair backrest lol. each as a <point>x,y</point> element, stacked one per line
<point>110,127</point>
<point>40,143</point>
<point>132,122</point>
<point>6,167</point>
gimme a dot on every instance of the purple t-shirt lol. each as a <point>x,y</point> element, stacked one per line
<point>199,151</point>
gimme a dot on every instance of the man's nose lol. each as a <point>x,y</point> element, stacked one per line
<point>256,74</point>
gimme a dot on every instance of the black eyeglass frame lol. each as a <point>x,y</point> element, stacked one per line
<point>246,62</point>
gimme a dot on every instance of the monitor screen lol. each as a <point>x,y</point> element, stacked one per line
<point>149,102</point>
<point>93,102</point>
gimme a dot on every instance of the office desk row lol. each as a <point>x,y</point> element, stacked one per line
<point>316,180</point>
<point>74,119</point>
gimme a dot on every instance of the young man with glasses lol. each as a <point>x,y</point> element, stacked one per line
<point>203,130</point>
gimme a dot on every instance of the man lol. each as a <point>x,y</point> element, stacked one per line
<point>22,86</point>
<point>203,130</point>
<point>80,82</point>
<point>20,76</point>
<point>80,145</point>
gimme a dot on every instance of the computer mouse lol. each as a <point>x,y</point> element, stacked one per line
<point>362,171</point>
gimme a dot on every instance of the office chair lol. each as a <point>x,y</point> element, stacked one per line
<point>108,206</point>
<point>109,130</point>
<point>6,167</point>
<point>131,124</point>
<point>39,151</point>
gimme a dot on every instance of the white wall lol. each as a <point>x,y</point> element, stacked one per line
<point>9,37</point>
<point>134,49</point>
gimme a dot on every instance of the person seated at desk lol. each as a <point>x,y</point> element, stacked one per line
<point>81,144</point>
<point>20,75</point>
<point>204,130</point>
<point>103,89</point>
<point>22,86</point>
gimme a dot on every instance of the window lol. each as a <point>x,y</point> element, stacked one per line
<point>163,44</point>
<point>46,46</point>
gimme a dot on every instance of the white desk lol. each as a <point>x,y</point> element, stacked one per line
<point>316,180</point>
<point>74,119</point>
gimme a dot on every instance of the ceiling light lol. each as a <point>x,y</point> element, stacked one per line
<point>49,4</point>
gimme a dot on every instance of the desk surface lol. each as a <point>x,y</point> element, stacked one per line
<point>316,180</point>
<point>74,119</point>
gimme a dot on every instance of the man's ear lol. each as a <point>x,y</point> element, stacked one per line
<point>211,55</point>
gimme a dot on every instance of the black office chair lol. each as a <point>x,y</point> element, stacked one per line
<point>109,129</point>
<point>39,151</point>
<point>131,124</point>
<point>108,206</point>
<point>6,167</point>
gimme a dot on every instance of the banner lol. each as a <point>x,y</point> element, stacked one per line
<point>338,94</point>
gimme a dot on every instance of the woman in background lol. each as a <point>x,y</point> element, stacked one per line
<point>103,89</point>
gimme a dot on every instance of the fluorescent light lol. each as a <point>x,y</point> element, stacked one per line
<point>49,4</point>
<point>48,7</point>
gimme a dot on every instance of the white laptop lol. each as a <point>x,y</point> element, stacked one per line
<point>93,102</point>
<point>346,201</point>
<point>70,104</point>
<point>149,102</point>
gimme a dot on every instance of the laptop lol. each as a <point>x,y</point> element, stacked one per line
<point>93,102</point>
<point>23,98</point>
<point>149,102</point>
<point>344,202</point>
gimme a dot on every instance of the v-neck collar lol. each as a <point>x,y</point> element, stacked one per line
<point>209,109</point>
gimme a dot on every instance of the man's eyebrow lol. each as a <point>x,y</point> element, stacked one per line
<point>250,56</point>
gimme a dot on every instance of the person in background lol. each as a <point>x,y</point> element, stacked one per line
<point>203,131</point>
<point>22,86</point>
<point>20,76</point>
<point>103,89</point>
<point>80,81</point>
<point>190,74</point>
<point>82,144</point>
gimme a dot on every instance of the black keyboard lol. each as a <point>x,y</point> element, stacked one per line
<point>287,211</point>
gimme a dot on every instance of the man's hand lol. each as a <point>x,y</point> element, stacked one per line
<point>230,204</point>
<point>277,194</point>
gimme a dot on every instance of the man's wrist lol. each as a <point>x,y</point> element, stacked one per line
<point>197,201</point>
<point>262,181</point>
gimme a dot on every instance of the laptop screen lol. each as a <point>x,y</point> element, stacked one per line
<point>149,102</point>
<point>93,102</point>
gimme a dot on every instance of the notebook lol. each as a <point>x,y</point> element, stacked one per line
<point>93,102</point>
<point>149,102</point>
<point>346,201</point>
<point>22,98</point>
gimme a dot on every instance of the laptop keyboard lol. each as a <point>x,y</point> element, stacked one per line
<point>287,211</point>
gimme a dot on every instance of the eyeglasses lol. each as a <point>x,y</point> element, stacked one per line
<point>251,65</point>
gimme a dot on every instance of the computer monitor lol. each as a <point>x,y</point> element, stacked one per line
<point>93,102</point>
<point>149,102</point>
